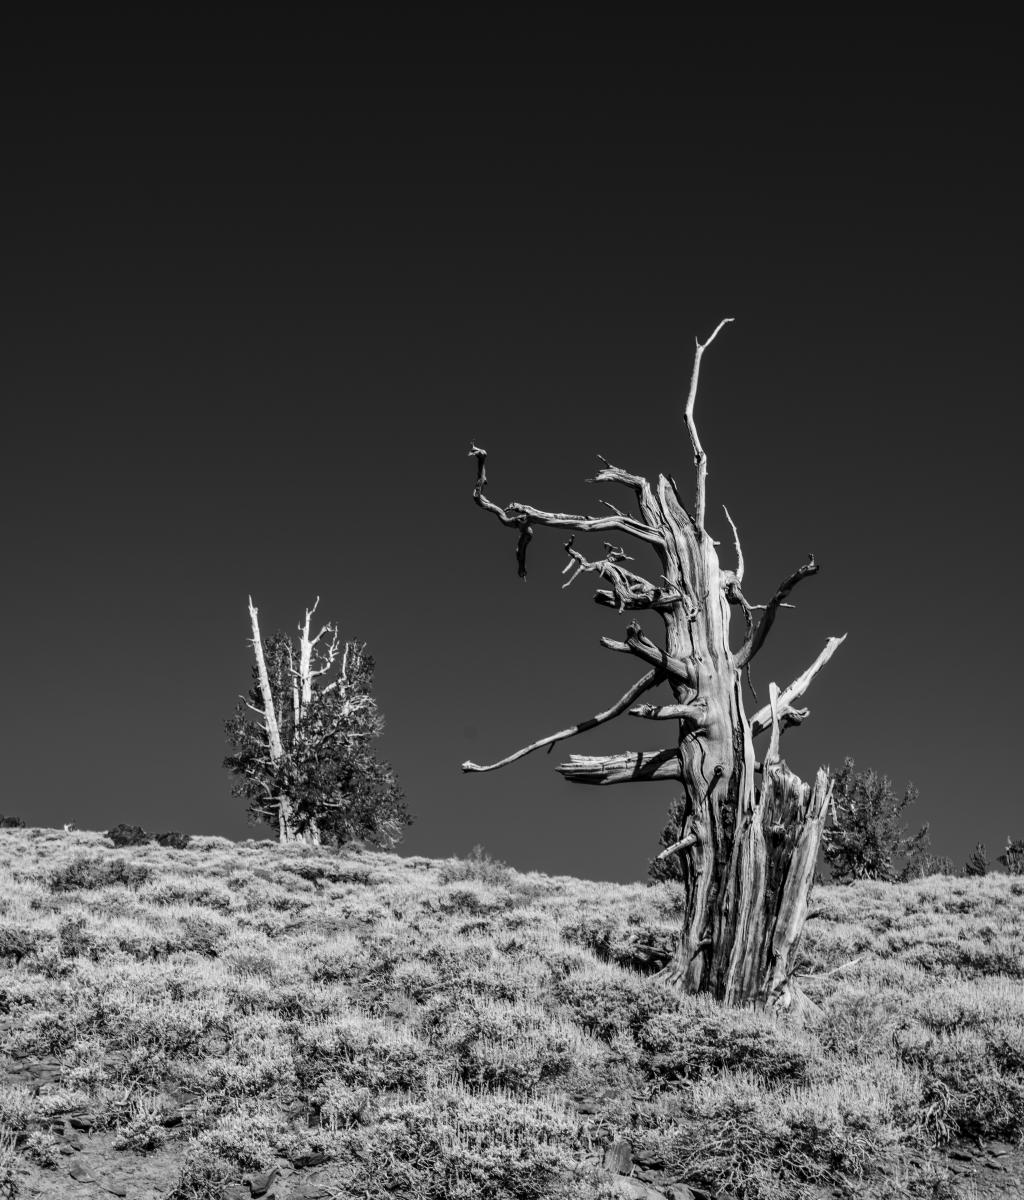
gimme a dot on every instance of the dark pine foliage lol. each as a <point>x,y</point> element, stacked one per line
<point>662,869</point>
<point>977,861</point>
<point>329,772</point>
<point>869,837</point>
<point>11,823</point>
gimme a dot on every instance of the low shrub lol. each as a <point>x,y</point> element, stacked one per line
<point>478,865</point>
<point>87,873</point>
<point>607,1001</point>
<point>73,940</point>
<point>705,1039</point>
<point>457,1145</point>
<point>360,1052</point>
<point>11,823</point>
<point>16,942</point>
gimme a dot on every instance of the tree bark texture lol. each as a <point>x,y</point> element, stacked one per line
<point>747,851</point>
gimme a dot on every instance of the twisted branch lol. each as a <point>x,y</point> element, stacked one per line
<point>755,637</point>
<point>651,679</point>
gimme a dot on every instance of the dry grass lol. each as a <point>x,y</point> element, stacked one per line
<point>457,1029</point>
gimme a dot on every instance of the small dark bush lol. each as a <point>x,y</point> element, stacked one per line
<point>15,943</point>
<point>173,840</point>
<point>11,823</point>
<point>200,936</point>
<point>977,862</point>
<point>1012,857</point>
<point>128,835</point>
<point>74,941</point>
<point>95,873</point>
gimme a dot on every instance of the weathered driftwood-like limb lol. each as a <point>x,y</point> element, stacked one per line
<point>773,859</point>
<point>633,766</point>
<point>639,644</point>
<point>685,843</point>
<point>739,549</point>
<point>651,679</point>
<point>788,715</point>
<point>518,521</point>
<point>700,459</point>
<point>693,713</point>
<point>755,639</point>
<point>629,590</point>
<point>266,695</point>
<point>522,516</point>
<point>641,486</point>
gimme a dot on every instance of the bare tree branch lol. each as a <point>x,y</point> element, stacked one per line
<point>629,590</point>
<point>755,639</point>
<point>739,548</point>
<point>634,766</point>
<point>788,715</point>
<point>700,459</point>
<point>696,713</point>
<point>523,516</point>
<point>651,679</point>
<point>269,713</point>
<point>639,644</point>
<point>685,843</point>
<point>641,486</point>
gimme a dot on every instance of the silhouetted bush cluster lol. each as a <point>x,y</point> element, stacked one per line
<point>135,835</point>
<point>174,840</point>
<point>977,862</point>
<point>129,835</point>
<point>11,823</point>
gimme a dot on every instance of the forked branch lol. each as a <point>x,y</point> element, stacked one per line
<point>756,636</point>
<point>788,715</point>
<point>651,679</point>
<point>700,459</point>
<point>629,590</point>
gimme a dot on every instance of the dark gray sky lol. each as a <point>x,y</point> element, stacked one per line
<point>258,298</point>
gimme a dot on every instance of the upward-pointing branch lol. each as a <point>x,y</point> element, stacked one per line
<point>700,459</point>
<point>756,636</point>
<point>269,712</point>
<point>651,679</point>
<point>762,719</point>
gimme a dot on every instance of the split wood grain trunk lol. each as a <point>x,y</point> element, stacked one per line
<point>747,847</point>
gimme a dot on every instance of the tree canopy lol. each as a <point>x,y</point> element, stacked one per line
<point>309,768</point>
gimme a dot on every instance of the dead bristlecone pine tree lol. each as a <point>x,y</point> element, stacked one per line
<point>747,852</point>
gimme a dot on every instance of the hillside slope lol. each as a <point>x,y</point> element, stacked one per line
<point>183,1022</point>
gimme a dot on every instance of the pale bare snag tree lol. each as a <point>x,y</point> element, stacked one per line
<point>315,660</point>
<point>748,852</point>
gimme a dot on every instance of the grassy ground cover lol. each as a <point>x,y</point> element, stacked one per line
<point>374,1026</point>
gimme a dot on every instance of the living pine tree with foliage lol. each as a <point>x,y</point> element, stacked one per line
<point>869,833</point>
<point>303,741</point>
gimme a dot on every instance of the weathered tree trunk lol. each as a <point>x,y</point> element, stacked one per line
<point>747,853</point>
<point>275,748</point>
